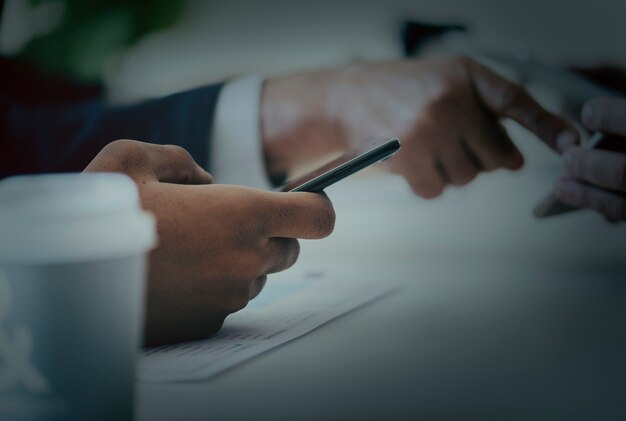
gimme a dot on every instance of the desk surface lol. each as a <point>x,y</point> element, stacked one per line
<point>496,314</point>
<point>453,341</point>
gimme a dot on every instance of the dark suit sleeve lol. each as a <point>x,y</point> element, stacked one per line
<point>61,136</point>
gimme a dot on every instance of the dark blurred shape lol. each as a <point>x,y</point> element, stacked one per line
<point>609,76</point>
<point>612,143</point>
<point>25,84</point>
<point>415,35</point>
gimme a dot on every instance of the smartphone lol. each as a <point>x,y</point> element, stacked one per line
<point>342,167</point>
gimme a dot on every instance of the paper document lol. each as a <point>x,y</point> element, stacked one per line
<point>292,304</point>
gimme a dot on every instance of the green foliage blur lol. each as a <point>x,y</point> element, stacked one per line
<point>92,30</point>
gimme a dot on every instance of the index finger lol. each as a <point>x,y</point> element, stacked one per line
<point>300,215</point>
<point>510,100</point>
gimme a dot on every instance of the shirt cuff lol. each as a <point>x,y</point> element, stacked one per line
<point>236,153</point>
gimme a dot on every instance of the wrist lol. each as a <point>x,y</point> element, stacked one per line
<point>297,120</point>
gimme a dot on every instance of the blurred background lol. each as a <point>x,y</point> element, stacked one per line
<point>139,50</point>
<point>144,49</point>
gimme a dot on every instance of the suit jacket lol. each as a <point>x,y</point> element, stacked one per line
<point>54,125</point>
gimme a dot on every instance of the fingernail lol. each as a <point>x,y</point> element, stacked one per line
<point>566,139</point>
<point>588,113</point>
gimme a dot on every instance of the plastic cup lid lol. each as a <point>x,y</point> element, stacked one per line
<point>60,218</point>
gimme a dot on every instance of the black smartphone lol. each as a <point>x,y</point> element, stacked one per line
<point>342,167</point>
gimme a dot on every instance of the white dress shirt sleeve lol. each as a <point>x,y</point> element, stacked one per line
<point>236,153</point>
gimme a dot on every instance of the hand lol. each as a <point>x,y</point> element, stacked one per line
<point>595,178</point>
<point>217,243</point>
<point>446,112</point>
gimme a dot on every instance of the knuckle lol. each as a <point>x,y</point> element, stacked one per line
<point>120,144</point>
<point>130,154</point>
<point>178,153</point>
<point>124,147</point>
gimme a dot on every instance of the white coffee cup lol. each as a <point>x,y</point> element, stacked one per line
<point>73,253</point>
